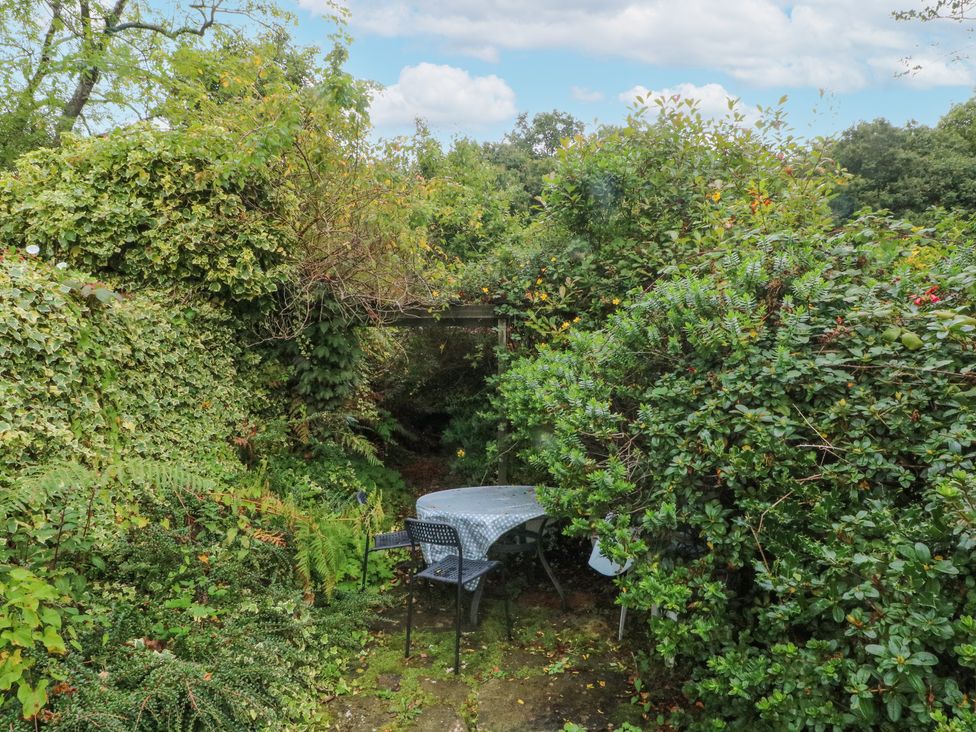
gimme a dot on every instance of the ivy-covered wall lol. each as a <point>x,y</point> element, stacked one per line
<point>86,373</point>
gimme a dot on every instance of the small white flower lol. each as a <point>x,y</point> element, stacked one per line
<point>62,265</point>
<point>33,250</point>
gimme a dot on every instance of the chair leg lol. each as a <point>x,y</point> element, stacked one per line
<point>623,621</point>
<point>457,630</point>
<point>410,584</point>
<point>365,564</point>
<point>508,612</point>
<point>552,576</point>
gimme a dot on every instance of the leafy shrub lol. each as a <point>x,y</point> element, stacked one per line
<point>625,204</point>
<point>162,599</point>
<point>139,593</point>
<point>782,438</point>
<point>85,372</point>
<point>192,208</point>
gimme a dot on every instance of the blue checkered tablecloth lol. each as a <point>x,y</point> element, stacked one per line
<point>481,514</point>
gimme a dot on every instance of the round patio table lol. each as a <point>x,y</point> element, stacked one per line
<point>481,515</point>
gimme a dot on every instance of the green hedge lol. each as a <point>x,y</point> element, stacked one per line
<point>168,562</point>
<point>784,435</point>
<point>86,373</point>
<point>192,207</point>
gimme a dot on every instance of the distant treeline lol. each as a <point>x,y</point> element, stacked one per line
<point>910,169</point>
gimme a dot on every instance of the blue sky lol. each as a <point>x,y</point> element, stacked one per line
<point>469,66</point>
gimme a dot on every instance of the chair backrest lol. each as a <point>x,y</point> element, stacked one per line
<point>433,532</point>
<point>361,498</point>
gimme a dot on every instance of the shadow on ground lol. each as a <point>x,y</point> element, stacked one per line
<point>562,667</point>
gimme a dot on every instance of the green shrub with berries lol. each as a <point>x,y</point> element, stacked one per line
<point>781,435</point>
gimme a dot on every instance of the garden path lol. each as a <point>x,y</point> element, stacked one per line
<point>562,668</point>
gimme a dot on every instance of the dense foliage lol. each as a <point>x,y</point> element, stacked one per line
<point>182,404</point>
<point>781,437</point>
<point>85,64</point>
<point>772,417</point>
<point>623,204</point>
<point>908,169</point>
<point>154,208</point>
<point>151,579</point>
<point>87,373</point>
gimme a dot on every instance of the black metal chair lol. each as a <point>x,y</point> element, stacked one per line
<point>381,542</point>
<point>523,540</point>
<point>453,569</point>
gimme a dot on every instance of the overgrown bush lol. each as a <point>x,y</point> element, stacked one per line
<point>192,208</point>
<point>625,204</point>
<point>85,372</point>
<point>173,546</point>
<point>782,439</point>
<point>163,600</point>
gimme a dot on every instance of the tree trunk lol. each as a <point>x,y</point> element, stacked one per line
<point>74,106</point>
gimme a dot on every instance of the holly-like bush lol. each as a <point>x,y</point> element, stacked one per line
<point>782,440</point>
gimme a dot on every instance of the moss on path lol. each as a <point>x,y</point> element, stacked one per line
<point>562,667</point>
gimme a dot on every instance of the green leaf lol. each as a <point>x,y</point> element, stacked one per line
<point>20,636</point>
<point>911,341</point>
<point>890,334</point>
<point>922,552</point>
<point>103,294</point>
<point>52,641</point>
<point>32,698</point>
<point>893,708</point>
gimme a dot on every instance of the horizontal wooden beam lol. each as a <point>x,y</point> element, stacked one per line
<point>462,315</point>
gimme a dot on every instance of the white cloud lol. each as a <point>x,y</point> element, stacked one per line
<point>444,96</point>
<point>839,45</point>
<point>582,94</point>
<point>482,53</point>
<point>712,99</point>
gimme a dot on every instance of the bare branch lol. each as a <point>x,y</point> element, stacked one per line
<point>208,12</point>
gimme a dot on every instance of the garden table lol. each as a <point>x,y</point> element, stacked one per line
<point>481,515</point>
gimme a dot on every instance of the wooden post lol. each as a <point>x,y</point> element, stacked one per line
<point>502,426</point>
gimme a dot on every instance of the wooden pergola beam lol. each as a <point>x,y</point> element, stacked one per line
<point>473,316</point>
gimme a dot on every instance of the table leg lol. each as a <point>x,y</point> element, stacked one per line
<point>552,576</point>
<point>476,600</point>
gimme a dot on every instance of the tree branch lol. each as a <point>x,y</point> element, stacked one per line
<point>209,14</point>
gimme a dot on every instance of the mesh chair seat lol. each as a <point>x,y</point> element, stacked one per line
<point>454,569</point>
<point>391,540</point>
<point>446,570</point>
<point>380,542</point>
